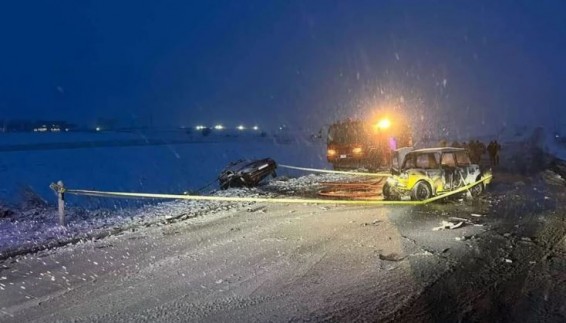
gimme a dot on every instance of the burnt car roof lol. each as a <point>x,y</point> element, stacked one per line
<point>437,150</point>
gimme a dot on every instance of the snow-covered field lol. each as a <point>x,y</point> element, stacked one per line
<point>166,168</point>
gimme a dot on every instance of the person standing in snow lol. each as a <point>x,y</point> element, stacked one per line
<point>491,152</point>
<point>481,150</point>
<point>497,149</point>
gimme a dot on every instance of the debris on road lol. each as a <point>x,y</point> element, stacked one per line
<point>448,225</point>
<point>391,257</point>
<point>453,218</point>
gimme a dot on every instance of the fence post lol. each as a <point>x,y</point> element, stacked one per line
<point>59,189</point>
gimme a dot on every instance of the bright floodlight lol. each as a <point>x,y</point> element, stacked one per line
<point>240,127</point>
<point>219,127</point>
<point>384,123</point>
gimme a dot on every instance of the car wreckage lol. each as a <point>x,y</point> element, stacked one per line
<point>246,173</point>
<point>429,172</point>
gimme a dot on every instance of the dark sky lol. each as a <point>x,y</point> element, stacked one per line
<point>476,64</point>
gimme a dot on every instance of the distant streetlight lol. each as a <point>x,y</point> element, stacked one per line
<point>98,129</point>
<point>256,128</point>
<point>241,127</point>
<point>219,127</point>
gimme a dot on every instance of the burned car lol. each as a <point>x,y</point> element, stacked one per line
<point>429,172</point>
<point>246,173</point>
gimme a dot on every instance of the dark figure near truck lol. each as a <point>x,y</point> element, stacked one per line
<point>493,150</point>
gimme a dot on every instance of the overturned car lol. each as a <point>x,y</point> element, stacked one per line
<point>246,173</point>
<point>425,173</point>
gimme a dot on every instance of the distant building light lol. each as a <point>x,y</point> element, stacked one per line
<point>199,127</point>
<point>66,129</point>
<point>256,128</point>
<point>219,127</point>
<point>241,127</point>
<point>97,128</point>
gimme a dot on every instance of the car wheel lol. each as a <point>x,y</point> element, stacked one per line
<point>476,190</point>
<point>421,191</point>
<point>388,195</point>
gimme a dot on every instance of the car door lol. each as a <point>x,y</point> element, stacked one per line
<point>448,164</point>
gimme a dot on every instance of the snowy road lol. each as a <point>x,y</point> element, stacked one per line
<point>289,262</point>
<point>276,262</point>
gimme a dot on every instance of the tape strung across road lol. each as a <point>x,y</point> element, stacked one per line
<point>266,199</point>
<point>334,171</point>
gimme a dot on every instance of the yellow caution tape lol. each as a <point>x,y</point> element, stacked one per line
<point>334,171</point>
<point>266,199</point>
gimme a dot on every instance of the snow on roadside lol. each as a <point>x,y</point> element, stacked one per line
<point>37,228</point>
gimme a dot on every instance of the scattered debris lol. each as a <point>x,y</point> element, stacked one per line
<point>260,209</point>
<point>5,212</point>
<point>448,225</point>
<point>391,257</point>
<point>365,224</point>
<point>464,238</point>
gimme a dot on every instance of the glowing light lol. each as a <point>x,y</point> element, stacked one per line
<point>383,124</point>
<point>256,128</point>
<point>219,127</point>
<point>200,127</point>
<point>98,129</point>
<point>331,152</point>
<point>240,127</point>
<point>357,150</point>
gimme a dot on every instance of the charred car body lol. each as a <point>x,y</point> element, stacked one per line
<point>246,173</point>
<point>425,173</point>
<point>360,144</point>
